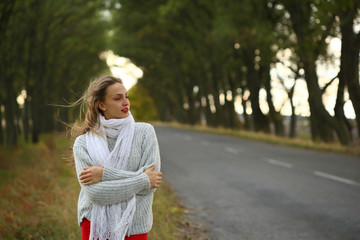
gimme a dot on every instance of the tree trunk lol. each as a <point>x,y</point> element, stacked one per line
<point>204,90</point>
<point>215,77</point>
<point>228,108</point>
<point>321,121</point>
<point>180,113</point>
<point>249,125</point>
<point>292,132</point>
<point>261,123</point>
<point>192,115</point>
<point>35,116</point>
<point>36,95</point>
<point>339,105</point>
<point>234,121</point>
<point>349,67</point>
<point>210,116</point>
<point>275,116</point>
<point>10,104</point>
<point>18,117</point>
<point>26,120</point>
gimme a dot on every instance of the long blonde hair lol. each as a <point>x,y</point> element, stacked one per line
<point>89,103</point>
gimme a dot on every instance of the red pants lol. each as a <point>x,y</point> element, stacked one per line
<point>86,232</point>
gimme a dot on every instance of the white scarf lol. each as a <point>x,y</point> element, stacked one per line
<point>112,222</point>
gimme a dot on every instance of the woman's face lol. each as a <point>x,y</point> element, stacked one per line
<point>116,103</point>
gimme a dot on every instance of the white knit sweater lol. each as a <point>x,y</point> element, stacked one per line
<point>118,185</point>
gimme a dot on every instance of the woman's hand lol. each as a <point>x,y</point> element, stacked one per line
<point>154,177</point>
<point>91,175</point>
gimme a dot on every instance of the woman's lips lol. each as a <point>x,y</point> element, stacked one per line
<point>125,110</point>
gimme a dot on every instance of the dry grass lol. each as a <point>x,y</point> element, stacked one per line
<point>39,197</point>
<point>352,149</point>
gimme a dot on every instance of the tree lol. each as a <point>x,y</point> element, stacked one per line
<point>348,12</point>
<point>306,17</point>
<point>198,56</point>
<point>50,49</point>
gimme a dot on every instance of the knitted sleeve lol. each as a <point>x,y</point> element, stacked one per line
<point>111,173</point>
<point>150,156</point>
<point>107,192</point>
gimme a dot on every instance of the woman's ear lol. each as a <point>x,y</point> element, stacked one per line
<point>101,106</point>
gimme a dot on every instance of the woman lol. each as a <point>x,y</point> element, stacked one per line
<point>117,162</point>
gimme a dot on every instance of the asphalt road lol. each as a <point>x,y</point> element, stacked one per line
<point>245,190</point>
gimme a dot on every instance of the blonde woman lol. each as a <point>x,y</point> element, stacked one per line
<point>117,163</point>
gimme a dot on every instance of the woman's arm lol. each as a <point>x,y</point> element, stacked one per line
<point>111,173</point>
<point>107,192</point>
<point>93,174</point>
<point>150,155</point>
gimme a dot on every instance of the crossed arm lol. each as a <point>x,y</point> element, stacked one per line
<point>94,174</point>
<point>106,186</point>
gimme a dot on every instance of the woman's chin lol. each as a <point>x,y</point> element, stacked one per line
<point>123,115</point>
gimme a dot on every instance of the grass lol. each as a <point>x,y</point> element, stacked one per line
<point>40,191</point>
<point>304,142</point>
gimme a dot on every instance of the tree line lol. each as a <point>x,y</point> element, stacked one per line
<point>196,52</point>
<point>49,51</point>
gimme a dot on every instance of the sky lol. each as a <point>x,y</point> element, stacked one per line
<point>123,68</point>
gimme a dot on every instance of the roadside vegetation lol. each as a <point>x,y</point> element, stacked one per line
<point>39,193</point>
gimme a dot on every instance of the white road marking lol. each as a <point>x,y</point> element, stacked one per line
<point>336,178</point>
<point>279,163</point>
<point>233,150</point>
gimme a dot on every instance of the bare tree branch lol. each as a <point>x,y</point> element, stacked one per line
<point>325,34</point>
<point>328,84</point>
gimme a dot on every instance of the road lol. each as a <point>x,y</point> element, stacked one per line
<point>246,190</point>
